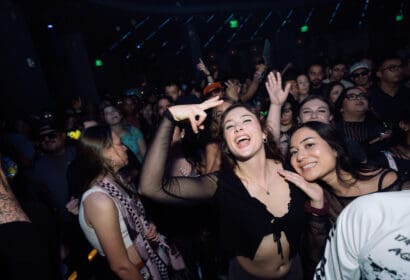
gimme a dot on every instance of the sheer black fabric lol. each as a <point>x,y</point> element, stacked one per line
<point>243,220</point>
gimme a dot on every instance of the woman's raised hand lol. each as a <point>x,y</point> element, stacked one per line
<point>195,113</point>
<point>312,190</point>
<point>202,67</point>
<point>273,85</point>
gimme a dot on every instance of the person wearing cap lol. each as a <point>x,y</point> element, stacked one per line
<point>50,175</point>
<point>212,90</point>
<point>51,167</point>
<point>360,74</point>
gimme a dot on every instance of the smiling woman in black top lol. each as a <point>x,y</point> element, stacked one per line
<point>261,214</point>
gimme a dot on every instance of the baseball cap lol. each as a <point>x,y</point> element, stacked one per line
<point>358,65</point>
<point>210,87</point>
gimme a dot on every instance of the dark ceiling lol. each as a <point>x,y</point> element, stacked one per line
<point>160,25</point>
<point>162,39</point>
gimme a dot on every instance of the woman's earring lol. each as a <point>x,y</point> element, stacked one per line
<point>265,140</point>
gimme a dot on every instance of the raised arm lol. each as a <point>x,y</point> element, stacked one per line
<point>254,85</point>
<point>277,97</point>
<point>202,67</point>
<point>152,183</point>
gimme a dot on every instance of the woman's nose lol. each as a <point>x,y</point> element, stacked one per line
<point>300,155</point>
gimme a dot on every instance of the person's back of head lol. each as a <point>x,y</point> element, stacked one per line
<point>370,239</point>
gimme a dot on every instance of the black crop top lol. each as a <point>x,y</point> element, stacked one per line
<point>245,221</point>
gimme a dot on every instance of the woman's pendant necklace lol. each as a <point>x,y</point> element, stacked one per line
<point>266,190</point>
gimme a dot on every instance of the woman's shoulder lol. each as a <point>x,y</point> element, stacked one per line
<point>98,201</point>
<point>96,188</point>
<point>387,179</point>
<point>390,180</point>
<point>94,193</point>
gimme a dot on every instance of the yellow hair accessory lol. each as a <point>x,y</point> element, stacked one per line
<point>74,134</point>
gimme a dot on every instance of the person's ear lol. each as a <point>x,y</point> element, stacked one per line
<point>331,117</point>
<point>265,137</point>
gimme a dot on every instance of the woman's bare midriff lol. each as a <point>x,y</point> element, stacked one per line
<point>267,263</point>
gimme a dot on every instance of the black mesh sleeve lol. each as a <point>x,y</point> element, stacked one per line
<point>174,189</point>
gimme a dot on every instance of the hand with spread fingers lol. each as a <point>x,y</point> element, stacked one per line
<point>232,90</point>
<point>277,94</point>
<point>312,190</point>
<point>195,113</point>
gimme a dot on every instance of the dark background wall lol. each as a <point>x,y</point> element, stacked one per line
<point>157,41</point>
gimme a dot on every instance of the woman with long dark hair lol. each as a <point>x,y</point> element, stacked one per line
<point>112,215</point>
<point>317,154</point>
<point>261,215</point>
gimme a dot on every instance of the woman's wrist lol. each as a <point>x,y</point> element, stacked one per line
<point>168,115</point>
<point>318,208</point>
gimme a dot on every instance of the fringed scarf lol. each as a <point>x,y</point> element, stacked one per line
<point>159,258</point>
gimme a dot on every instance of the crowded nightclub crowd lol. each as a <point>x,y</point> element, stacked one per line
<point>285,173</point>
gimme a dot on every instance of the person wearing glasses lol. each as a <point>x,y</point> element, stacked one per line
<point>49,177</point>
<point>389,96</point>
<point>360,74</point>
<point>363,135</point>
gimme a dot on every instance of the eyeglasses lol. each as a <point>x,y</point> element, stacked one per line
<point>393,68</point>
<point>352,96</point>
<point>360,74</point>
<point>51,135</point>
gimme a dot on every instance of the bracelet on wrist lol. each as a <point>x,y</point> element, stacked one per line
<point>316,211</point>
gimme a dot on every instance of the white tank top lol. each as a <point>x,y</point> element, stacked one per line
<point>89,231</point>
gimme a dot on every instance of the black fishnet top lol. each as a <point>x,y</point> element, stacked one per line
<point>244,220</point>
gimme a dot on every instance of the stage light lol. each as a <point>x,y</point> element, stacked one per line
<point>399,17</point>
<point>233,23</point>
<point>50,26</point>
<point>304,28</point>
<point>98,63</point>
